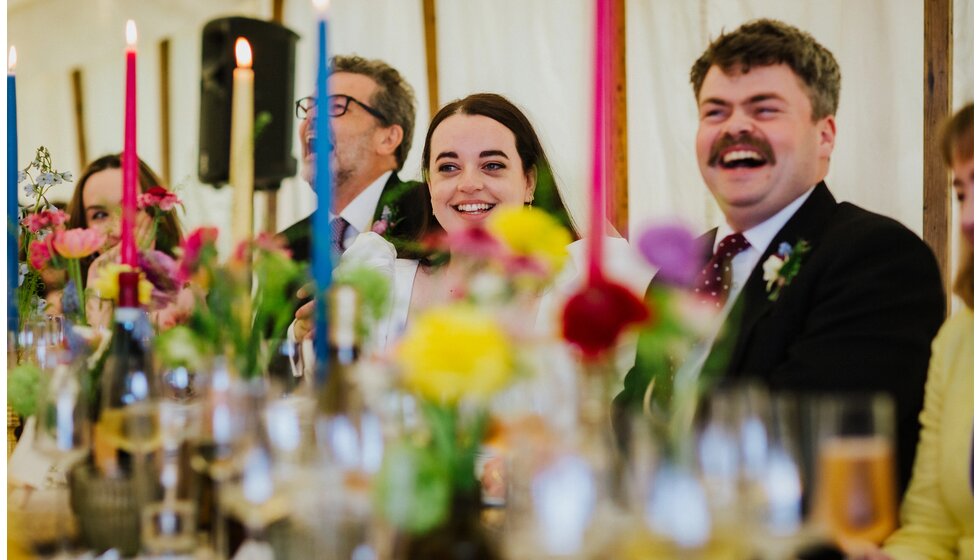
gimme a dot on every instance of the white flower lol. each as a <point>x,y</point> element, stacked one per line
<point>56,178</point>
<point>29,191</point>
<point>45,179</point>
<point>21,177</point>
<point>66,176</point>
<point>770,270</point>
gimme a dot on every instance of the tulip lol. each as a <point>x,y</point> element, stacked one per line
<point>78,243</point>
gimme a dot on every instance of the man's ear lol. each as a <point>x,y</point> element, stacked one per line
<point>388,139</point>
<point>827,130</point>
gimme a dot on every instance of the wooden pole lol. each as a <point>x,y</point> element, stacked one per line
<point>937,82</point>
<point>431,54</point>
<point>618,209</point>
<point>269,223</point>
<point>78,103</point>
<point>165,112</point>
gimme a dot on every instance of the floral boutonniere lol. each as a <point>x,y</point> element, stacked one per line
<point>383,224</point>
<point>780,268</point>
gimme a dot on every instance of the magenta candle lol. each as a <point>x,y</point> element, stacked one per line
<point>600,137</point>
<point>130,160</point>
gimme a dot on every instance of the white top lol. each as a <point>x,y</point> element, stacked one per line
<point>622,265</point>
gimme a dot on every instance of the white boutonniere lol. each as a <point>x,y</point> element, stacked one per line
<point>780,268</point>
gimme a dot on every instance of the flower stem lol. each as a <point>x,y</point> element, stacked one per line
<point>75,270</point>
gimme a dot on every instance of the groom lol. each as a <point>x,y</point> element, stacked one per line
<point>860,311</point>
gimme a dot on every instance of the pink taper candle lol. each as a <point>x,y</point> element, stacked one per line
<point>129,158</point>
<point>600,138</point>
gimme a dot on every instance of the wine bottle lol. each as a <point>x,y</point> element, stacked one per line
<point>128,426</point>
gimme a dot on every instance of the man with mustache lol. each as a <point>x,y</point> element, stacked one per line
<point>861,298</point>
<point>372,117</point>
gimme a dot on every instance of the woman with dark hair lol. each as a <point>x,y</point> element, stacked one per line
<point>937,509</point>
<point>481,154</point>
<point>97,203</point>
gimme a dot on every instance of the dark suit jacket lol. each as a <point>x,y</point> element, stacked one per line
<point>859,316</point>
<point>405,201</point>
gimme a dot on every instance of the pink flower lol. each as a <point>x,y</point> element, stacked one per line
<point>475,242</point>
<point>44,219</point>
<point>271,243</point>
<point>380,227</point>
<point>194,244</point>
<point>78,242</point>
<point>158,197</point>
<point>39,254</point>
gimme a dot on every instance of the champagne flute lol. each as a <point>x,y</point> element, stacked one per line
<point>857,486</point>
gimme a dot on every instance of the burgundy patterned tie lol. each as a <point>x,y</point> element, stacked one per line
<point>715,279</point>
<point>338,227</point>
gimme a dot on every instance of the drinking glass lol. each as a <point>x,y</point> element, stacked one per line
<point>856,476</point>
<point>62,435</point>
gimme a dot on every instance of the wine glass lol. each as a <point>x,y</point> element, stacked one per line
<point>62,435</point>
<point>857,496</point>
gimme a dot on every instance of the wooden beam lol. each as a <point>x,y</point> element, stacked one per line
<point>431,54</point>
<point>165,111</point>
<point>78,104</point>
<point>277,7</point>
<point>270,221</point>
<point>618,209</point>
<point>937,82</point>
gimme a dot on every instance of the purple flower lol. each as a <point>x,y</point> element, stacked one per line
<point>673,250</point>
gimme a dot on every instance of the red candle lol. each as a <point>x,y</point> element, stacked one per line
<point>129,158</point>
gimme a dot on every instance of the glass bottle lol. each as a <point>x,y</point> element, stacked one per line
<point>128,425</point>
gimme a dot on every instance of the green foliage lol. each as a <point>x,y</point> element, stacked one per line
<point>23,388</point>
<point>373,289</point>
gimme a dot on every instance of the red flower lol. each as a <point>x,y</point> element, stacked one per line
<point>39,254</point>
<point>594,318</point>
<point>158,197</point>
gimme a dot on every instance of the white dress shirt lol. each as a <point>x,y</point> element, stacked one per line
<point>759,238</point>
<point>360,212</point>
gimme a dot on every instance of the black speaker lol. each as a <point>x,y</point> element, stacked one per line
<point>274,61</point>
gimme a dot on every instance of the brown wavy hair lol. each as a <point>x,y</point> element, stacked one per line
<point>169,233</point>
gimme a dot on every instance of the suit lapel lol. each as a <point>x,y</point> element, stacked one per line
<point>753,302</point>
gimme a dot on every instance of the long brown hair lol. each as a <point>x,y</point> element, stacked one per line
<point>957,144</point>
<point>169,233</point>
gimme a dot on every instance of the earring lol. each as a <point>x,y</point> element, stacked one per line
<point>530,200</point>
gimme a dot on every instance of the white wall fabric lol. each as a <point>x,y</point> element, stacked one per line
<point>536,52</point>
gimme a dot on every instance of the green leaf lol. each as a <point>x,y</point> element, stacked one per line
<point>412,490</point>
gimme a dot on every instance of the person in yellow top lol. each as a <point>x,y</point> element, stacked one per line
<point>937,510</point>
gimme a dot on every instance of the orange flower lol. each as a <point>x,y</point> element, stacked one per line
<point>78,243</point>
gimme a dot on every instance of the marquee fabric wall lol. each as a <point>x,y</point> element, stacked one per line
<point>537,52</point>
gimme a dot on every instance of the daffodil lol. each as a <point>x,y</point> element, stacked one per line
<point>455,351</point>
<point>106,284</point>
<point>531,232</point>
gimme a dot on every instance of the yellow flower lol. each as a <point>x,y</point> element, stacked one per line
<point>531,232</point>
<point>106,284</point>
<point>455,351</point>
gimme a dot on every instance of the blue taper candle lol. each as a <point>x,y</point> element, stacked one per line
<point>13,227</point>
<point>321,246</point>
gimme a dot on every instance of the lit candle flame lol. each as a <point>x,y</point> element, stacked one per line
<point>321,5</point>
<point>12,59</point>
<point>243,53</point>
<point>131,33</point>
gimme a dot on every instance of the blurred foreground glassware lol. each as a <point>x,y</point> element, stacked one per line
<point>857,487</point>
<point>108,508</point>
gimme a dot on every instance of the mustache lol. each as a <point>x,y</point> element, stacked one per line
<point>744,139</point>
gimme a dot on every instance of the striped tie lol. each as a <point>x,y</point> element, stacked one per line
<point>338,227</point>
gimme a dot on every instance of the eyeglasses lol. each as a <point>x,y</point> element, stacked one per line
<point>337,105</point>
